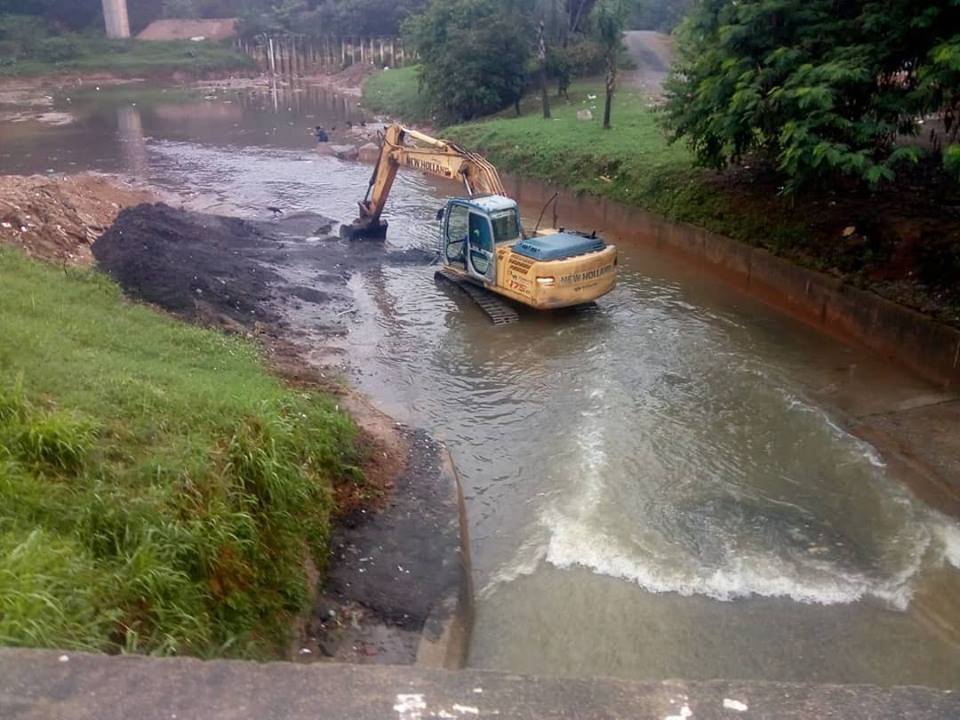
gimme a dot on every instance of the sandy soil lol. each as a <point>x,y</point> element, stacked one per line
<point>213,29</point>
<point>58,219</point>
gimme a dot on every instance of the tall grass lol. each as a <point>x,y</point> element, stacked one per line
<point>397,92</point>
<point>158,488</point>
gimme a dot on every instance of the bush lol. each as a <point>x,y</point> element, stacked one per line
<point>21,34</point>
<point>951,161</point>
<point>819,88</point>
<point>580,58</point>
<point>473,55</point>
<point>57,49</point>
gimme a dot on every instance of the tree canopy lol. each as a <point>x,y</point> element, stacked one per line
<point>335,17</point>
<point>474,54</point>
<point>608,20</point>
<point>663,15</point>
<point>821,88</point>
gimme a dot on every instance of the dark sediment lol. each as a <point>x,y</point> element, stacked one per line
<point>373,564</point>
<point>212,268</point>
<point>189,263</point>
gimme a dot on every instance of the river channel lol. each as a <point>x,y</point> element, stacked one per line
<point>658,485</point>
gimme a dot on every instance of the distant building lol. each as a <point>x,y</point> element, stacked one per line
<point>215,29</point>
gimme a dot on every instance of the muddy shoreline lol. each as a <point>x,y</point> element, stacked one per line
<point>223,272</point>
<point>396,545</point>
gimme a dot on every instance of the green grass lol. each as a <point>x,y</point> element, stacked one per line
<point>397,92</point>
<point>129,58</point>
<point>631,163</point>
<point>159,489</point>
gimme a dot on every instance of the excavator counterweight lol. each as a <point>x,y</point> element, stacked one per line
<point>482,241</point>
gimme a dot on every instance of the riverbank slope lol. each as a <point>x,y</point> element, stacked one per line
<point>160,488</point>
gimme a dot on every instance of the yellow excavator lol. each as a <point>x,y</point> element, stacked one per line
<point>482,243</point>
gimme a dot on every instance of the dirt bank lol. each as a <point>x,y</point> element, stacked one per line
<point>57,219</point>
<point>195,265</point>
<point>229,270</point>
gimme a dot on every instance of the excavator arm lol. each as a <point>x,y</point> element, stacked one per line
<point>430,155</point>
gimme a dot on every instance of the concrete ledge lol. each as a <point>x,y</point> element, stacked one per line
<point>42,684</point>
<point>445,639</point>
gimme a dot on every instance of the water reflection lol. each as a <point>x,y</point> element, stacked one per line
<point>133,143</point>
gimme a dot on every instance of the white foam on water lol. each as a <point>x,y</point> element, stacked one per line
<point>868,451</point>
<point>573,543</point>
<point>947,533</point>
<point>525,562</point>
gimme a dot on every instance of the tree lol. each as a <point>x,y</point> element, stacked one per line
<point>542,65</point>
<point>68,14</point>
<point>365,17</point>
<point>609,18</point>
<point>822,89</point>
<point>473,55</point>
<point>577,13</point>
<point>663,15</point>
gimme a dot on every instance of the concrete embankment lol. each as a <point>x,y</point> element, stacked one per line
<point>925,346</point>
<point>49,684</point>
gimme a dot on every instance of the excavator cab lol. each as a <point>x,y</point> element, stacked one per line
<point>472,228</point>
<point>481,240</point>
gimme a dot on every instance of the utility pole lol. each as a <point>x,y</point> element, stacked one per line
<point>115,18</point>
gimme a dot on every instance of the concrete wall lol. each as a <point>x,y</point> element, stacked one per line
<point>898,333</point>
<point>47,684</point>
<point>929,348</point>
<point>116,19</point>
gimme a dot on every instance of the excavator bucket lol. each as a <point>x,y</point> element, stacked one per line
<point>363,229</point>
<point>367,226</point>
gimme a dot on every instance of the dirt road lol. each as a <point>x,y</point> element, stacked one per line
<point>652,53</point>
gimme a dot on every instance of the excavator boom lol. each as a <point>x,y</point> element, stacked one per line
<point>433,156</point>
<point>482,245</point>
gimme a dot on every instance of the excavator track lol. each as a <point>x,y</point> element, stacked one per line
<point>499,312</point>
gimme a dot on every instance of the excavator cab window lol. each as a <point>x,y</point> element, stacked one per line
<point>506,226</point>
<point>481,245</point>
<point>455,235</point>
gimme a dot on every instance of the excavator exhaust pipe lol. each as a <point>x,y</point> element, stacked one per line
<point>362,229</point>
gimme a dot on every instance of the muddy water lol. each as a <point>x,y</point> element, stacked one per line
<point>658,485</point>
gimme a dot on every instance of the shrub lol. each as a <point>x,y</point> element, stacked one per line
<point>57,49</point>
<point>821,89</point>
<point>473,55</point>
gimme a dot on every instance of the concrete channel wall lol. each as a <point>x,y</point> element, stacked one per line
<point>929,348</point>
<point>896,332</point>
<point>445,638</point>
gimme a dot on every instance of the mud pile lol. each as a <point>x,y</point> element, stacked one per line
<point>202,267</point>
<point>58,219</point>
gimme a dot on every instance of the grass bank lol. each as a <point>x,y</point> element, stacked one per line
<point>903,245</point>
<point>397,92</point>
<point>159,489</point>
<point>126,58</point>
